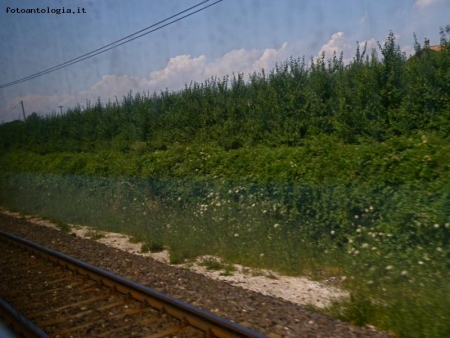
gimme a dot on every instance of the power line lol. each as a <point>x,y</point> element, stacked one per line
<point>102,49</point>
<point>96,50</point>
<point>10,110</point>
<point>85,56</point>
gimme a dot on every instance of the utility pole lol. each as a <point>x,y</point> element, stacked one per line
<point>60,108</point>
<point>23,111</point>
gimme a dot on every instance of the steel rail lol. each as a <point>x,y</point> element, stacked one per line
<point>209,323</point>
<point>19,323</point>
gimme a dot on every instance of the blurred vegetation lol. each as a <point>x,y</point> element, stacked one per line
<point>316,168</point>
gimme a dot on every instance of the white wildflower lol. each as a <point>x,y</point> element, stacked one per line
<point>439,249</point>
<point>436,226</point>
<point>356,216</point>
<point>404,273</point>
<point>364,245</point>
<point>389,267</point>
<point>420,262</point>
<point>332,232</point>
<point>276,225</point>
<point>236,235</point>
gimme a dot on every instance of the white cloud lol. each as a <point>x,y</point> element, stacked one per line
<point>372,44</point>
<point>424,3</point>
<point>113,85</point>
<point>248,61</point>
<point>364,18</point>
<point>408,50</point>
<point>179,70</point>
<point>338,43</point>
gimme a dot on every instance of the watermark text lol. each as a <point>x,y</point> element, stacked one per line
<point>45,10</point>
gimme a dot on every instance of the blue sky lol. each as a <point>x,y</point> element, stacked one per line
<point>232,36</point>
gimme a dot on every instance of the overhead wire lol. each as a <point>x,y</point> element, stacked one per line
<point>98,49</point>
<point>102,49</point>
<point>10,110</point>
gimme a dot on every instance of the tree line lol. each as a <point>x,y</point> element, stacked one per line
<point>380,94</point>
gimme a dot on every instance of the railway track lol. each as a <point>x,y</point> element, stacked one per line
<point>44,293</point>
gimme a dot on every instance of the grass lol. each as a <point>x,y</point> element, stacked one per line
<point>212,264</point>
<point>216,265</point>
<point>134,240</point>
<point>371,231</point>
<point>152,247</point>
<point>94,235</point>
<point>404,309</point>
<point>62,226</point>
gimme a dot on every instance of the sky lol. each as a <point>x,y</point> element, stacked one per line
<point>232,36</point>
